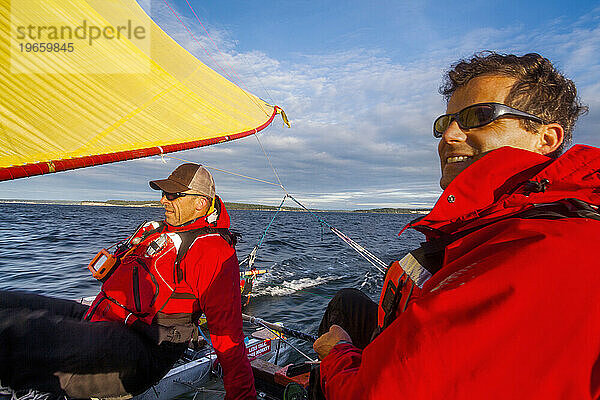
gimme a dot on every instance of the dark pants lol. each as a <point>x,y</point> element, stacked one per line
<point>357,314</point>
<point>45,345</point>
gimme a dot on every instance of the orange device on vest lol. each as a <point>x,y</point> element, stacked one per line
<point>104,262</point>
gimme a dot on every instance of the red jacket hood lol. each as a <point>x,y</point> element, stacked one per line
<point>217,219</point>
<point>496,185</point>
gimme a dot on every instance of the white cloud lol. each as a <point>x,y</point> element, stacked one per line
<point>361,119</point>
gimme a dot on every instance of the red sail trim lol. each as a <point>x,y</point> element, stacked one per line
<point>22,171</point>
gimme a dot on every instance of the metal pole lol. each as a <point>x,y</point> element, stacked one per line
<point>279,328</point>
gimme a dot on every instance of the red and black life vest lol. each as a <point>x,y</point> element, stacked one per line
<point>150,277</point>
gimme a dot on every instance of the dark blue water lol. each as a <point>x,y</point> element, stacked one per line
<point>46,249</point>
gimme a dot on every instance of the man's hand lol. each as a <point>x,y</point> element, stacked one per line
<point>325,343</point>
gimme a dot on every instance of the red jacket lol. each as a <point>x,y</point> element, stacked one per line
<point>514,312</point>
<point>213,272</point>
<point>209,282</point>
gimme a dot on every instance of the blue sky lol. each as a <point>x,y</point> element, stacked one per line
<point>359,82</point>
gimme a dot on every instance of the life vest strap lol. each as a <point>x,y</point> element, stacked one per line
<point>187,239</point>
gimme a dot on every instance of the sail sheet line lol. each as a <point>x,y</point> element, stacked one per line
<point>224,171</point>
<point>271,164</point>
<point>244,90</point>
<point>240,55</point>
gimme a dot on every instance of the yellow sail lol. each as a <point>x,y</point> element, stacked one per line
<point>85,82</point>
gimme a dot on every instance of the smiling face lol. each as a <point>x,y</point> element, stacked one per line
<point>184,209</point>
<point>459,148</point>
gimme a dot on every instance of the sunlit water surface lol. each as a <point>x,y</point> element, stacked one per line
<point>46,248</point>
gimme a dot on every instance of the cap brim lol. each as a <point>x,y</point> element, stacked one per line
<point>168,186</point>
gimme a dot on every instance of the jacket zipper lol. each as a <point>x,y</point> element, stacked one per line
<point>136,288</point>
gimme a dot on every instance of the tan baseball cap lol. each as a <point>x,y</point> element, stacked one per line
<point>187,176</point>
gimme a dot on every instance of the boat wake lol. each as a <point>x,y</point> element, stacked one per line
<point>286,288</point>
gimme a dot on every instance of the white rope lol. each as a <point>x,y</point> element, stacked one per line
<point>367,255</point>
<point>225,171</point>
<point>271,164</point>
<point>162,155</point>
<point>252,257</point>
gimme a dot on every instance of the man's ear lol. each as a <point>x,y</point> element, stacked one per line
<point>201,203</point>
<point>551,137</point>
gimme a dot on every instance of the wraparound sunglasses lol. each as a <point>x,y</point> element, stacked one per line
<point>478,115</point>
<point>173,196</point>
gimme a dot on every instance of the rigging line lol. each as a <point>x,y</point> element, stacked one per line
<point>271,164</point>
<point>272,219</point>
<point>241,55</point>
<point>252,256</point>
<point>257,78</point>
<point>211,57</point>
<point>225,171</point>
<point>310,212</point>
<point>367,255</point>
<point>280,335</point>
<point>346,238</point>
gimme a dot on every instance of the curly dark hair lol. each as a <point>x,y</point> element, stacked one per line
<point>540,89</point>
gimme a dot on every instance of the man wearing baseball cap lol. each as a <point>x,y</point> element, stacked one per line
<point>155,287</point>
<point>187,193</point>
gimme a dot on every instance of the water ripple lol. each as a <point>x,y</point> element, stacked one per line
<point>46,249</point>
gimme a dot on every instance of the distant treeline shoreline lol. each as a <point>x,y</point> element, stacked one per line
<point>228,205</point>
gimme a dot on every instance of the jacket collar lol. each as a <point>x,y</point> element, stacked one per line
<point>494,182</point>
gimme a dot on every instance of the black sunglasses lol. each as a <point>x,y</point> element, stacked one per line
<point>173,196</point>
<point>478,115</point>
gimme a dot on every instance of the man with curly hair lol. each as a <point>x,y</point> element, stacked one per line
<point>502,300</point>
